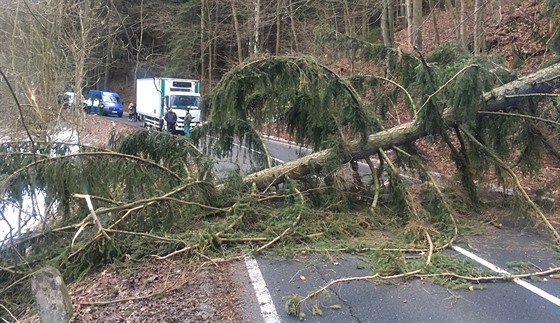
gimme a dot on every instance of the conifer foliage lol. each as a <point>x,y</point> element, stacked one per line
<point>297,94</point>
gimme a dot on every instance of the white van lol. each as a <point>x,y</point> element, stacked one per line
<point>69,100</point>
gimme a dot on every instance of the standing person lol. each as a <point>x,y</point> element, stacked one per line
<point>132,112</point>
<point>100,107</point>
<point>171,120</point>
<point>187,125</point>
<point>95,105</point>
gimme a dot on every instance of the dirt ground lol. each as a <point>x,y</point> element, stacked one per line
<point>156,291</point>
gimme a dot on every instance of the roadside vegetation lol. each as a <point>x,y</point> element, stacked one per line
<point>151,195</point>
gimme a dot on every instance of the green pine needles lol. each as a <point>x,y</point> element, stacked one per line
<point>296,94</point>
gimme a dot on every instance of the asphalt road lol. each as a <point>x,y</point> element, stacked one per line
<point>404,301</point>
<point>267,283</point>
<point>415,300</point>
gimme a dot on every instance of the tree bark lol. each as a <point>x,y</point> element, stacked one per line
<point>202,41</point>
<point>462,23</point>
<point>510,94</point>
<point>237,31</point>
<point>479,39</point>
<point>433,13</point>
<point>388,24</point>
<point>279,6</point>
<point>256,26</point>
<point>295,42</point>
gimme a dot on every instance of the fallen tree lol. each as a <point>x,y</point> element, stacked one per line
<point>541,82</point>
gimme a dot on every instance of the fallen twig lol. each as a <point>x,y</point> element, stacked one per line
<point>10,313</point>
<point>348,279</point>
<point>187,248</point>
<point>493,278</point>
<point>431,251</point>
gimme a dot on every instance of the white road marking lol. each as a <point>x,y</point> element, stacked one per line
<point>268,310</point>
<point>551,298</point>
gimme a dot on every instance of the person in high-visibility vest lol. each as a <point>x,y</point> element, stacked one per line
<point>187,124</point>
<point>100,107</point>
<point>95,106</point>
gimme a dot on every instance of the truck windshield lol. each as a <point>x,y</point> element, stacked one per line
<point>184,101</point>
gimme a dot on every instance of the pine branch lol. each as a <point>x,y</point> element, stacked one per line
<point>349,279</point>
<point>518,185</point>
<point>408,198</point>
<point>518,115</point>
<point>442,197</point>
<point>285,232</point>
<point>7,181</point>
<point>543,81</point>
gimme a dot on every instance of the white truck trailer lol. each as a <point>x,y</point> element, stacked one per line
<point>155,95</point>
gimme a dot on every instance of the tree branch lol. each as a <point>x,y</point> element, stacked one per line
<point>542,81</point>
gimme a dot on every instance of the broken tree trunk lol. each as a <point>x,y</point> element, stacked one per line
<point>510,94</point>
<point>51,296</point>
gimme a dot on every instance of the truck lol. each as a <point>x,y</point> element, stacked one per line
<point>154,95</point>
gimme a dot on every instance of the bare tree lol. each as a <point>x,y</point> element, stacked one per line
<point>388,23</point>
<point>48,46</point>
<point>416,35</point>
<point>237,30</point>
<point>462,24</point>
<point>479,39</point>
<point>433,13</point>
<point>255,40</point>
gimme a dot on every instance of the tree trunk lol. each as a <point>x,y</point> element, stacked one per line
<point>387,23</point>
<point>434,21</point>
<point>417,24</point>
<point>139,46</point>
<point>479,42</point>
<point>365,23</point>
<point>543,81</point>
<point>213,43</point>
<point>388,30</point>
<point>409,23</point>
<point>108,60</point>
<point>202,40</point>
<point>237,31</point>
<point>295,46</point>
<point>453,9</point>
<point>279,6</point>
<point>348,27</point>
<point>462,25</point>
<point>256,26</point>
